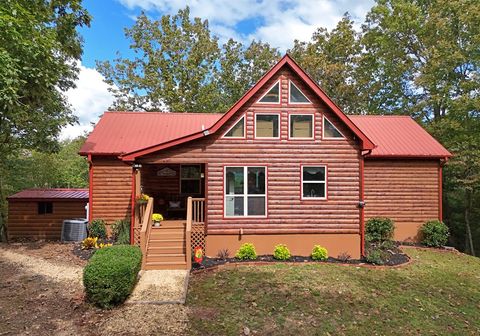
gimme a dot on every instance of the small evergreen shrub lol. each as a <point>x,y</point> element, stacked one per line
<point>281,252</point>
<point>121,231</point>
<point>434,233</point>
<point>246,252</point>
<point>111,274</point>
<point>223,254</point>
<point>319,253</point>
<point>97,229</point>
<point>344,257</point>
<point>374,256</point>
<point>379,229</point>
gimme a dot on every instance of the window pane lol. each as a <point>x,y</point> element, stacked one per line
<point>190,171</point>
<point>272,96</point>
<point>234,206</point>
<point>256,206</point>
<point>256,180</point>
<point>301,126</point>
<point>190,187</point>
<point>313,173</point>
<point>314,190</point>
<point>330,131</point>
<point>234,180</point>
<point>267,126</point>
<point>237,131</point>
<point>296,96</point>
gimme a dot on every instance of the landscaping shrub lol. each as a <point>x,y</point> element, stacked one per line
<point>121,231</point>
<point>379,229</point>
<point>319,253</point>
<point>434,233</point>
<point>375,256</point>
<point>89,243</point>
<point>246,252</point>
<point>223,254</point>
<point>111,273</point>
<point>344,257</point>
<point>281,252</point>
<point>97,229</point>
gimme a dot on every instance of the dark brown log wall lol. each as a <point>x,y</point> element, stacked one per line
<point>287,213</point>
<point>406,191</point>
<point>25,222</point>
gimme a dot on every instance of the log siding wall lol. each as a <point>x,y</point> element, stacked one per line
<point>25,222</point>
<point>406,191</point>
<point>112,189</point>
<point>283,157</point>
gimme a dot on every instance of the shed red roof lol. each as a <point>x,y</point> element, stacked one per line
<point>51,193</point>
<point>398,136</point>
<point>124,132</point>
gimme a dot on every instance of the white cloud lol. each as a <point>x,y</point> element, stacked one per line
<point>281,22</point>
<point>89,100</point>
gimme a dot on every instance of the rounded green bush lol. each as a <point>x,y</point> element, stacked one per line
<point>375,256</point>
<point>379,229</point>
<point>281,252</point>
<point>319,253</point>
<point>434,233</point>
<point>246,252</point>
<point>97,228</point>
<point>111,274</point>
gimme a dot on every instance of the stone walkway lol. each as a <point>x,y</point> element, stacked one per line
<point>161,287</point>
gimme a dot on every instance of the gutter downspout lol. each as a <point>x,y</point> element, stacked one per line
<point>132,207</point>
<point>362,201</point>
<point>90,187</point>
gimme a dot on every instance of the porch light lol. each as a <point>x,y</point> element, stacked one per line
<point>206,132</point>
<point>137,165</point>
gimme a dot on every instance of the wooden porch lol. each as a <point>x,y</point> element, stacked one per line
<point>169,246</point>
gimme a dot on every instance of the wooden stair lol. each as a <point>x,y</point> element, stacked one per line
<point>167,247</point>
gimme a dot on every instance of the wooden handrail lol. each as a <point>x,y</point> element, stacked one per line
<point>195,215</point>
<point>146,227</point>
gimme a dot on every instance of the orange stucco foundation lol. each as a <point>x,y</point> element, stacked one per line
<point>299,244</point>
<point>407,232</point>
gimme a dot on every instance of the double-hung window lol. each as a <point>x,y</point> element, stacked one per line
<point>314,182</point>
<point>245,191</point>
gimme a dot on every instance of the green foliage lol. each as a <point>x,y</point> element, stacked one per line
<point>246,252</point>
<point>379,229</point>
<point>375,256</point>
<point>319,253</point>
<point>111,274</point>
<point>281,252</point>
<point>97,229</point>
<point>121,231</point>
<point>434,233</point>
<point>196,74</point>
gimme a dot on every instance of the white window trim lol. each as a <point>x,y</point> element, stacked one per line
<point>245,194</point>
<point>191,179</point>
<point>323,130</point>
<point>290,92</point>
<point>324,182</point>
<point>244,129</point>
<point>290,125</point>
<point>255,126</point>
<point>271,87</point>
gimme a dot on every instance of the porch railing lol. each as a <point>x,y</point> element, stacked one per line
<point>195,220</point>
<point>146,227</point>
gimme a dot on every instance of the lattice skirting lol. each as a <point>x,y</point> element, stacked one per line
<point>198,236</point>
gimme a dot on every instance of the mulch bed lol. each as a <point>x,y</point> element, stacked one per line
<point>82,254</point>
<point>396,258</point>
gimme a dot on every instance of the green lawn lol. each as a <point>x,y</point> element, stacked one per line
<point>438,294</point>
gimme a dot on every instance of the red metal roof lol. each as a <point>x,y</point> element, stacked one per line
<point>51,193</point>
<point>124,132</point>
<point>398,136</point>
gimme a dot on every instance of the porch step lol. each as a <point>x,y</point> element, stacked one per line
<point>160,249</point>
<point>164,257</point>
<point>165,265</point>
<point>166,242</point>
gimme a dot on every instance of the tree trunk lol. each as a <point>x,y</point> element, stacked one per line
<point>468,207</point>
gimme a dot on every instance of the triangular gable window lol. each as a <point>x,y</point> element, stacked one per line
<point>297,96</point>
<point>330,131</point>
<point>237,130</point>
<point>272,95</point>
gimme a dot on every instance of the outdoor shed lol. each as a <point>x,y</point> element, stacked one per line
<point>39,213</point>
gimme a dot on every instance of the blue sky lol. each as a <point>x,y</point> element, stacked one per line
<point>276,22</point>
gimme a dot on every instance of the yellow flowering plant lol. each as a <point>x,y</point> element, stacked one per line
<point>156,217</point>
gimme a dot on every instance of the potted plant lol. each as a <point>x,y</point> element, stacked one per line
<point>157,218</point>
<point>142,199</point>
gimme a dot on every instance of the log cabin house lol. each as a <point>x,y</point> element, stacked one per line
<point>283,165</point>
